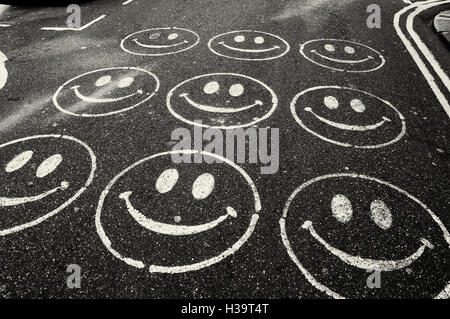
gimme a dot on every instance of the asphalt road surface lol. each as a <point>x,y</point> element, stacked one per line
<point>359,206</point>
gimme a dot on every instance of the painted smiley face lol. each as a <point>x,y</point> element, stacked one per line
<point>159,41</point>
<point>222,100</point>
<point>106,92</point>
<point>248,45</point>
<point>342,55</point>
<point>185,218</point>
<point>37,180</point>
<point>348,117</point>
<point>340,228</point>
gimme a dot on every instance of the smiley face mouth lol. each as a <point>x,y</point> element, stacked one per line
<point>276,47</point>
<point>342,61</point>
<point>215,109</point>
<point>173,230</point>
<point>366,263</point>
<point>347,127</point>
<point>89,99</point>
<point>14,201</point>
<point>159,46</point>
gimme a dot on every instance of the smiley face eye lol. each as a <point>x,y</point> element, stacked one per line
<point>172,36</point>
<point>331,102</point>
<point>203,186</point>
<point>125,82</point>
<point>211,87</point>
<point>358,105</point>
<point>49,165</point>
<point>349,50</point>
<point>167,180</point>
<point>103,80</point>
<point>239,38</point>
<point>330,47</point>
<point>381,214</point>
<point>259,40</point>
<point>236,90</point>
<point>154,36</point>
<point>341,207</point>
<point>19,161</point>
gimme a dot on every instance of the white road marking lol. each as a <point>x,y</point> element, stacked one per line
<point>90,99</point>
<point>419,7</point>
<point>305,272</point>
<point>344,126</point>
<point>4,25</point>
<point>347,127</point>
<point>127,2</point>
<point>178,48</point>
<point>219,110</point>
<point>346,63</point>
<point>172,230</point>
<point>93,100</point>
<point>87,25</point>
<point>283,46</point>
<point>216,109</point>
<point>92,158</point>
<point>3,70</point>
<point>185,268</point>
<point>14,201</point>
<point>366,263</point>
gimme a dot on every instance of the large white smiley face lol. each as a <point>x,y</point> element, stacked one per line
<point>342,55</point>
<point>340,228</point>
<point>41,176</point>
<point>249,45</point>
<point>159,41</point>
<point>222,100</point>
<point>106,92</point>
<point>348,117</point>
<point>176,218</point>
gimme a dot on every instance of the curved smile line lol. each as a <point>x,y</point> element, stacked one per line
<point>216,109</point>
<point>5,201</point>
<point>365,263</point>
<point>342,61</point>
<point>360,128</point>
<point>158,46</point>
<point>172,230</point>
<point>105,100</point>
<point>249,50</point>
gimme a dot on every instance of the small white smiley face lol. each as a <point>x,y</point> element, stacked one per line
<point>340,228</point>
<point>106,92</point>
<point>222,100</point>
<point>41,175</point>
<point>175,218</point>
<point>342,55</point>
<point>348,117</point>
<point>159,41</point>
<point>249,45</point>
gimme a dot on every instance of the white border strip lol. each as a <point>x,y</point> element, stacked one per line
<point>425,51</point>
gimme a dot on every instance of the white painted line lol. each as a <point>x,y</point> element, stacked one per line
<point>3,25</point>
<point>256,39</point>
<point>178,97</point>
<point>312,51</point>
<point>74,29</point>
<point>3,70</point>
<point>384,120</point>
<point>416,56</point>
<point>185,40</point>
<point>172,177</point>
<point>8,202</point>
<point>104,75</point>
<point>356,261</point>
<point>127,2</point>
